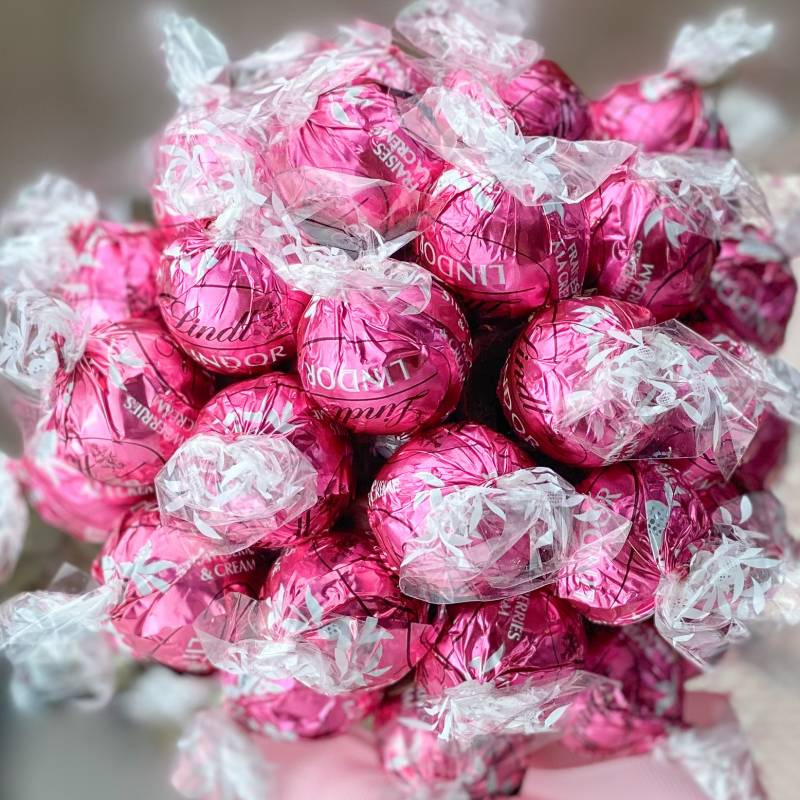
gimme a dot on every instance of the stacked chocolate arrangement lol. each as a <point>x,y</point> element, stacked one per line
<point>436,394</point>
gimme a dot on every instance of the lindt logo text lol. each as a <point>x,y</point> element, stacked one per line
<point>375,379</point>
<point>189,324</point>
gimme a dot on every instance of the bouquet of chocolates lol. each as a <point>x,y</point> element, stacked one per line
<point>436,400</point>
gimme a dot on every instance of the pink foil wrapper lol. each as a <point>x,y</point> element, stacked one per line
<point>167,585</point>
<point>505,643</point>
<point>545,363</point>
<point>196,155</point>
<point>128,403</point>
<point>647,700</point>
<point>66,499</point>
<point>486,767</point>
<point>288,710</point>
<point>116,274</point>
<point>643,252</point>
<point>669,523</point>
<point>376,364</point>
<point>277,404</point>
<point>224,305</point>
<point>504,259</point>
<point>452,456</point>
<point>546,102</point>
<point>344,578</point>
<point>355,132</point>
<point>663,113</point>
<point>752,292</point>
<point>765,454</point>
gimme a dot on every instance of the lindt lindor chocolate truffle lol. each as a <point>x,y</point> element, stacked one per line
<point>411,750</point>
<point>66,499</point>
<point>223,303</point>
<point>751,291</point>
<point>502,258</point>
<point>53,239</point>
<point>648,249</point>
<point>641,707</point>
<point>353,135</point>
<point>463,514</point>
<point>288,710</point>
<point>669,523</point>
<point>448,457</point>
<point>127,404</point>
<point>268,409</point>
<point>545,101</point>
<point>167,584</point>
<point>332,618</point>
<point>504,643</point>
<point>385,362</point>
<point>550,356</point>
<point>506,228</point>
<point>670,112</point>
<point>215,136</point>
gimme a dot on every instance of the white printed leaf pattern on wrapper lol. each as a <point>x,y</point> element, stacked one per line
<point>234,491</point>
<point>473,708</point>
<point>645,374</point>
<point>273,639</point>
<point>329,271</point>
<point>730,584</point>
<point>506,536</point>
<point>483,140</point>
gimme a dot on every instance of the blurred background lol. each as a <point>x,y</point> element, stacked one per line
<point>83,92</point>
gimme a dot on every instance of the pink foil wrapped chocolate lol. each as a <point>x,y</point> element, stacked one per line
<point>751,291</point>
<point>288,710</point>
<point>656,227</point>
<point>670,112</point>
<point>163,584</point>
<point>330,121</point>
<point>224,304</point>
<point>216,136</point>
<point>668,525</point>
<point>119,400</point>
<point>483,37</point>
<point>332,618</point>
<point>630,716</point>
<point>409,749</point>
<point>464,515</point>
<point>52,239</point>
<point>543,368</point>
<point>263,467</point>
<point>382,348</point>
<point>451,456</point>
<point>742,575</point>
<point>506,227</point>
<point>66,499</point>
<point>509,666</point>
<point>661,391</point>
